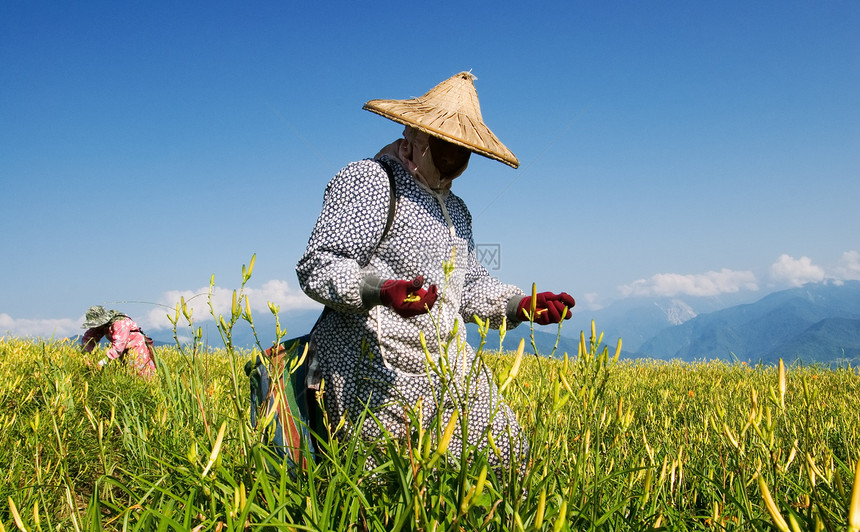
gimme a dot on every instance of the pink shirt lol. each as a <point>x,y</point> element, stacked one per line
<point>125,337</point>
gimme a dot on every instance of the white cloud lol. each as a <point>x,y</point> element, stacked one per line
<point>796,272</point>
<point>276,291</point>
<point>279,292</point>
<point>45,328</point>
<point>848,268</point>
<point>703,284</point>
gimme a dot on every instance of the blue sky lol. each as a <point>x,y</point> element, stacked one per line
<point>667,148</point>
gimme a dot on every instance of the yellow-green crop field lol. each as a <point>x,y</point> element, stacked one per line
<point>625,445</point>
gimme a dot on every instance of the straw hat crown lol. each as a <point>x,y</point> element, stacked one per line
<point>449,111</point>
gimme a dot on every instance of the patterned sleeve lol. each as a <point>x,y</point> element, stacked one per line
<point>118,335</point>
<point>355,208</point>
<point>483,295</point>
<point>90,340</point>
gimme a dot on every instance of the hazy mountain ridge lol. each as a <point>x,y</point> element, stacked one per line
<point>545,340</point>
<point>812,323</point>
<point>637,320</point>
<point>818,341</point>
<point>299,323</point>
<point>294,323</point>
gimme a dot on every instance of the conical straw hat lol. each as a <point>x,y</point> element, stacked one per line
<point>450,111</point>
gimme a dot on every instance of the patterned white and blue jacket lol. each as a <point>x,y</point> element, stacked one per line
<point>368,355</point>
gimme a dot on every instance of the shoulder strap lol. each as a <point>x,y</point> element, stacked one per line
<point>392,207</point>
<point>392,199</point>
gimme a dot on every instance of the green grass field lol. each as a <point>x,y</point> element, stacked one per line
<point>614,446</point>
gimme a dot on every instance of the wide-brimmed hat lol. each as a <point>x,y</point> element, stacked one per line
<point>97,316</point>
<point>449,111</point>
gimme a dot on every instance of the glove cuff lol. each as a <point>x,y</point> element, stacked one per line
<point>512,310</point>
<point>370,289</point>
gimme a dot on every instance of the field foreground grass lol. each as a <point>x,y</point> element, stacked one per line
<point>614,446</point>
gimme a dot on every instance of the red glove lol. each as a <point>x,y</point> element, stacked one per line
<point>548,308</point>
<point>407,298</point>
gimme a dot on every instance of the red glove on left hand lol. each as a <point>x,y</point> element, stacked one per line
<point>548,307</point>
<point>407,298</point>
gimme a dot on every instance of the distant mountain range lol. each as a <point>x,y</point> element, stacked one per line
<point>545,340</point>
<point>638,319</point>
<point>295,324</point>
<point>815,323</point>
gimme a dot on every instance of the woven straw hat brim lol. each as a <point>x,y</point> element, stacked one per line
<point>449,111</point>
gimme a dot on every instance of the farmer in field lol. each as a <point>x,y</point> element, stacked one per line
<point>384,284</point>
<point>127,341</point>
